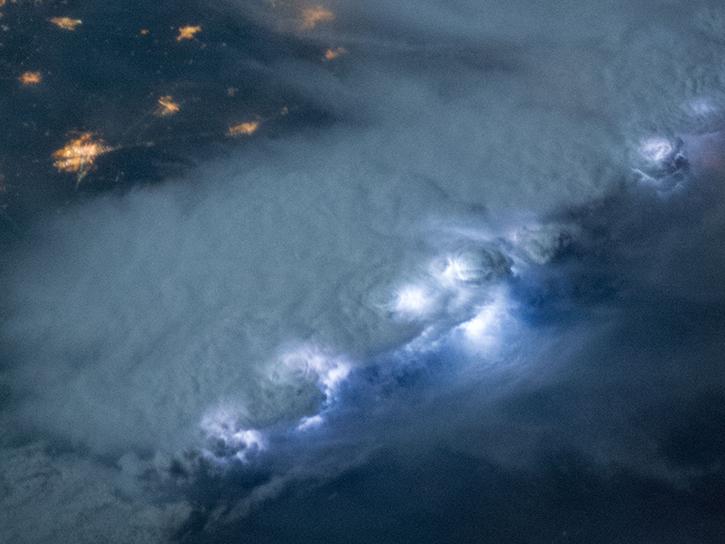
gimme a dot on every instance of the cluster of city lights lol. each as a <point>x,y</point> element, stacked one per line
<point>79,154</point>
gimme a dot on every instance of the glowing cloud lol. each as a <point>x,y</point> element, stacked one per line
<point>483,331</point>
<point>246,128</point>
<point>413,301</point>
<point>457,270</point>
<point>327,371</point>
<point>663,164</point>
<point>167,107</point>
<point>30,79</point>
<point>188,32</point>
<point>657,150</point>
<point>66,23</point>
<point>472,265</point>
<point>227,439</point>
<point>334,53</point>
<point>79,155</point>
<point>313,16</point>
<point>311,422</point>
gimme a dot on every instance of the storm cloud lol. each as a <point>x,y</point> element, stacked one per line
<point>467,287</point>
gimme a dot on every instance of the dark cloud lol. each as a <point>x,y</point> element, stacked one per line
<point>449,497</point>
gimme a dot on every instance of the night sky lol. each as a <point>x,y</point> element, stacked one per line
<point>343,271</point>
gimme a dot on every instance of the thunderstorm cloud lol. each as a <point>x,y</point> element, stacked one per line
<point>345,271</point>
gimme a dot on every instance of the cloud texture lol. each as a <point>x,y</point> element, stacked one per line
<point>497,257</point>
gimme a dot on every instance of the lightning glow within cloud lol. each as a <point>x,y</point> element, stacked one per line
<point>219,315</point>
